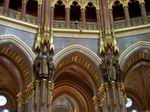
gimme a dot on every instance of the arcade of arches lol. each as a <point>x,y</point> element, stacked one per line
<point>77,76</point>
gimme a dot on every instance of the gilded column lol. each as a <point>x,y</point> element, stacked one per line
<point>127,17</point>
<point>109,67</point>
<point>43,96</point>
<point>43,65</point>
<point>6,7</point>
<point>83,19</point>
<point>23,9</point>
<point>36,95</point>
<point>143,11</point>
<point>67,17</point>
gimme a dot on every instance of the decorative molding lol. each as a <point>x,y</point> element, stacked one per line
<point>25,96</point>
<point>131,49</point>
<point>76,48</point>
<point>18,24</point>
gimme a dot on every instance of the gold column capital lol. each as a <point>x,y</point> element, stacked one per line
<point>113,84</point>
<point>40,2</point>
<point>43,82</point>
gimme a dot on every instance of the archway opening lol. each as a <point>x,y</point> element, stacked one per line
<point>73,77</point>
<point>118,12</point>
<point>15,5</point>
<point>136,69</point>
<point>1,3</point>
<point>147,6</point>
<point>134,9</point>
<point>32,7</point>
<point>75,12</point>
<point>90,13</point>
<point>59,11</point>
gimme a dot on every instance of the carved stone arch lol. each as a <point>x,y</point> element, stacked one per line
<point>18,53</point>
<point>78,1</point>
<point>69,89</point>
<point>135,63</point>
<point>112,3</point>
<point>55,2</point>
<point>77,48</point>
<point>132,49</point>
<point>87,1</point>
<point>82,57</point>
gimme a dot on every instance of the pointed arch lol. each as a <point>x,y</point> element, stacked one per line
<point>55,2</point>
<point>117,10</point>
<point>90,12</point>
<point>134,8</point>
<point>59,10</point>
<point>137,52</point>
<point>112,3</point>
<point>132,49</point>
<point>20,55</point>
<point>82,58</point>
<point>78,1</point>
<point>89,1</point>
<point>77,48</point>
<point>20,44</point>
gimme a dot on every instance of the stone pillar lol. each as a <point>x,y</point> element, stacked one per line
<point>111,19</point>
<point>23,9</point>
<point>39,12</point>
<point>43,96</point>
<point>67,17</point>
<point>52,16</point>
<point>6,7</point>
<point>143,12</point>
<point>105,16</point>
<point>98,19</point>
<point>36,96</point>
<point>127,17</point>
<point>83,18</point>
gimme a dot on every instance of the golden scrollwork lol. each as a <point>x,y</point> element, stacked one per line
<point>50,89</point>
<point>99,98</point>
<point>25,96</point>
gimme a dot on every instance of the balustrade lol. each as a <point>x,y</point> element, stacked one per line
<point>119,24</point>
<point>91,26</point>
<point>136,21</point>
<point>13,14</point>
<point>31,19</point>
<point>61,24</point>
